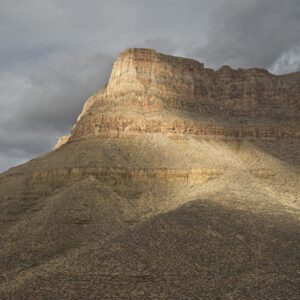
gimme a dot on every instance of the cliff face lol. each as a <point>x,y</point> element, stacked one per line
<point>149,92</point>
<point>173,82</point>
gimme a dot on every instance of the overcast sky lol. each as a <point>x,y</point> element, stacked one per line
<point>56,53</point>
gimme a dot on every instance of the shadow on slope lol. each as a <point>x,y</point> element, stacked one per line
<point>286,150</point>
<point>199,250</point>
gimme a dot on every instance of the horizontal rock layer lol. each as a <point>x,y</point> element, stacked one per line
<point>108,125</point>
<point>59,177</point>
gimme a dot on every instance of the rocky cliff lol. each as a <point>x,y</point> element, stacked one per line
<point>149,92</point>
<point>167,82</point>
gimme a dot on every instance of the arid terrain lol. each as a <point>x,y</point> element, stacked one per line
<point>176,182</point>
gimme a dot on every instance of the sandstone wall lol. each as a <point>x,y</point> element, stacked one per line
<point>149,92</point>
<point>156,80</point>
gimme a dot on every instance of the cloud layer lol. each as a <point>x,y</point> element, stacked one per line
<point>54,54</point>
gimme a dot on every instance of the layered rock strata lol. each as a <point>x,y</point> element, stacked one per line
<point>171,82</point>
<point>118,125</point>
<point>149,92</point>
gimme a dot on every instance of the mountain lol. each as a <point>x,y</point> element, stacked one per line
<point>176,182</point>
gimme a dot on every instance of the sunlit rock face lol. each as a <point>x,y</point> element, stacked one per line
<point>149,92</point>
<point>161,80</point>
<point>181,83</point>
<point>61,141</point>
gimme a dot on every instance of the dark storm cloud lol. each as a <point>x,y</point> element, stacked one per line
<point>51,97</point>
<point>54,54</point>
<point>251,33</point>
<point>59,88</point>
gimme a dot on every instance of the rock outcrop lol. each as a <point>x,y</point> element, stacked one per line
<point>61,141</point>
<point>153,81</point>
<point>149,92</point>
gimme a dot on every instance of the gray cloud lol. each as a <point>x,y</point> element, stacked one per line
<point>54,54</point>
<point>41,105</point>
<point>250,33</point>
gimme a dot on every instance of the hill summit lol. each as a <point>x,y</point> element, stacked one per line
<point>176,182</point>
